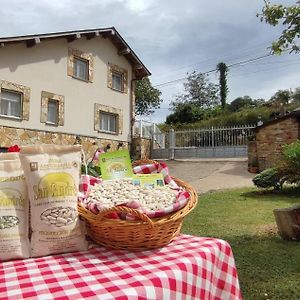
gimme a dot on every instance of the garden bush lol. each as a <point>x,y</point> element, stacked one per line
<point>269,178</point>
<point>287,170</point>
<point>291,162</point>
<point>291,154</point>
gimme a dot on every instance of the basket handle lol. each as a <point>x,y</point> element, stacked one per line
<point>124,209</point>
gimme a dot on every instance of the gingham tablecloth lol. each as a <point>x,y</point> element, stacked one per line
<point>189,268</point>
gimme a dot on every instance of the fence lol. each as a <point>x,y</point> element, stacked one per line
<point>147,129</point>
<point>208,142</point>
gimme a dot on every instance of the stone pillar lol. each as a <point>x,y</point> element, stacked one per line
<point>141,148</point>
<point>253,165</point>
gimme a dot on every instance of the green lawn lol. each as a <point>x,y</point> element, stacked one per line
<point>268,267</point>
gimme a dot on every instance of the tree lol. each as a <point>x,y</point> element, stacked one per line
<point>240,102</point>
<point>289,16</point>
<point>281,96</point>
<point>185,113</point>
<point>147,97</point>
<point>223,69</point>
<point>197,91</point>
<point>296,95</point>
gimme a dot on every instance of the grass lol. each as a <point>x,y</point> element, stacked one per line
<point>268,267</point>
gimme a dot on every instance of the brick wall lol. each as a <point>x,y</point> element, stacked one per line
<point>271,138</point>
<point>252,156</point>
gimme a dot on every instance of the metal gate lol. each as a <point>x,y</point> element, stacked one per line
<point>202,143</point>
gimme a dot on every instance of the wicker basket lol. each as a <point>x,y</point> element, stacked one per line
<point>141,234</point>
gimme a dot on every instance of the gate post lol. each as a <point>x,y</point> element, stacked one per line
<point>172,144</point>
<point>141,128</point>
<point>213,141</point>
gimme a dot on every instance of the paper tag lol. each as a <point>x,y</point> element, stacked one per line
<point>115,165</point>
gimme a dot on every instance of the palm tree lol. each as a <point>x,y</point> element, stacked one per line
<point>222,68</point>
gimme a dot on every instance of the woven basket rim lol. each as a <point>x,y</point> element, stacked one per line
<point>179,214</point>
<point>136,235</point>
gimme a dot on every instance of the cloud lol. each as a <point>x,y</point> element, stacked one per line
<point>172,37</point>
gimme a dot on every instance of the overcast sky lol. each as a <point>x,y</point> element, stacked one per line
<point>173,37</point>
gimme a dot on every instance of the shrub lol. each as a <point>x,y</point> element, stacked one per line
<point>291,162</point>
<point>269,178</point>
<point>291,154</point>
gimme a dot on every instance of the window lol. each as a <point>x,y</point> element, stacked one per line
<point>80,65</point>
<point>108,119</point>
<point>117,78</point>
<point>11,104</point>
<point>117,82</point>
<point>81,68</point>
<point>14,100</point>
<point>53,108</point>
<point>108,122</point>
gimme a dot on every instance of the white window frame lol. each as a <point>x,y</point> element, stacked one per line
<point>9,104</point>
<point>108,130</point>
<point>86,62</point>
<point>121,76</point>
<point>56,114</point>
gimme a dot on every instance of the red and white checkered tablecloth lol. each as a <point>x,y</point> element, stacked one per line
<point>189,268</point>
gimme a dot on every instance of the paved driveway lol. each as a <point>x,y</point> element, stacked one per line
<point>208,175</point>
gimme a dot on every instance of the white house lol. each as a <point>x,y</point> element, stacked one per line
<point>67,87</point>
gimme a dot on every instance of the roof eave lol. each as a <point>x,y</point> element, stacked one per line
<point>139,68</point>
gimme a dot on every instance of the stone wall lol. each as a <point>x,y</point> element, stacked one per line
<point>141,148</point>
<point>271,138</point>
<point>10,136</point>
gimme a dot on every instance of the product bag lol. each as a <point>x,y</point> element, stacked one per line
<point>52,176</point>
<point>14,203</point>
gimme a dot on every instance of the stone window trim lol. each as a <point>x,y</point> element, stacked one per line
<point>75,53</point>
<point>111,68</point>
<point>25,95</point>
<point>111,110</point>
<point>46,96</point>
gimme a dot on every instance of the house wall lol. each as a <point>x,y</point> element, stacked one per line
<point>271,138</point>
<point>18,136</point>
<point>44,68</point>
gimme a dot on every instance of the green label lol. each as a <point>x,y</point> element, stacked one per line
<point>115,165</point>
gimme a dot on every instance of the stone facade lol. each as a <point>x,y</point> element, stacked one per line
<point>270,138</point>
<point>141,148</point>
<point>21,89</point>
<point>46,96</point>
<point>72,53</point>
<point>10,136</point>
<point>115,111</point>
<point>114,68</point>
